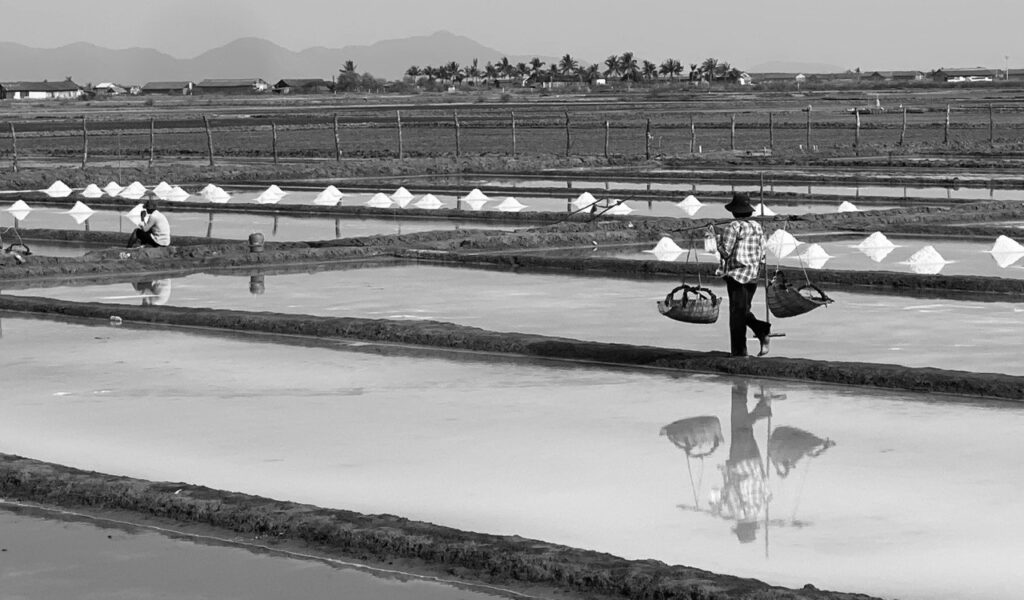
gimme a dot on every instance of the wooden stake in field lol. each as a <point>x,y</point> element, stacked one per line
<point>945,130</point>
<point>732,132</point>
<point>337,140</point>
<point>771,131</point>
<point>856,135</point>
<point>808,140</point>
<point>513,133</point>
<point>458,140</point>
<point>607,136</point>
<point>647,140</point>
<point>401,149</point>
<point>209,139</point>
<point>693,135</point>
<point>14,146</point>
<point>85,142</point>
<point>903,132</point>
<point>991,126</point>
<point>568,136</point>
<point>273,133</point>
<point>152,140</point>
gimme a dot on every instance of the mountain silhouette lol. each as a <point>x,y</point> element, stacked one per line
<point>242,58</point>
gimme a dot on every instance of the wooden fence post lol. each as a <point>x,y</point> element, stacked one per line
<point>568,138</point>
<point>401,147</point>
<point>693,135</point>
<point>14,144</point>
<point>513,133</point>
<point>647,140</point>
<point>85,142</point>
<point>273,132</point>
<point>903,132</point>
<point>337,139</point>
<point>607,135</point>
<point>945,129</point>
<point>771,131</point>
<point>209,139</point>
<point>152,140</point>
<point>458,136</point>
<point>856,135</point>
<point>991,126</point>
<point>808,140</point>
<point>732,132</point>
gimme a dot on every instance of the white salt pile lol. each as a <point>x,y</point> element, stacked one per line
<point>690,205</point>
<point>162,189</point>
<point>177,194</point>
<point>476,203</point>
<point>19,210</point>
<point>271,195</point>
<point>782,243</point>
<point>92,191</point>
<point>762,210</point>
<point>112,188</point>
<point>926,261</point>
<point>510,204</point>
<point>429,202</point>
<point>401,194</point>
<point>619,209</point>
<point>58,189</point>
<point>330,196</point>
<point>814,257</point>
<point>379,200</point>
<point>1006,251</point>
<point>475,194</point>
<point>847,207</point>
<point>584,200</point>
<point>666,250</point>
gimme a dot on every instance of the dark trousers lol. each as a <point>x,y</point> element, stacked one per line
<point>740,317</point>
<point>143,238</point>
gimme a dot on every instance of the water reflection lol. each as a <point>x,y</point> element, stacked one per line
<point>745,493</point>
<point>153,293</point>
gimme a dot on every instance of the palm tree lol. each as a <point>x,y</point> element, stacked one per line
<point>707,68</point>
<point>612,64</point>
<point>454,72</point>
<point>628,67</point>
<point>536,65</point>
<point>348,67</point>
<point>522,69</point>
<point>413,71</point>
<point>473,71</point>
<point>491,72</point>
<point>506,68</point>
<point>429,72</point>
<point>650,70</point>
<point>722,69</point>
<point>568,65</point>
<point>671,67</point>
<point>693,71</point>
<point>591,73</point>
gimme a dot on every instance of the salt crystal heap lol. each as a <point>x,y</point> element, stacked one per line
<point>763,211</point>
<point>814,257</point>
<point>379,200</point>
<point>330,196</point>
<point>926,261</point>
<point>847,207</point>
<point>782,243</point>
<point>510,204</point>
<point>271,195</point>
<point>177,194</point>
<point>666,250</point>
<point>876,246</point>
<point>92,191</point>
<point>80,212</point>
<point>58,189</point>
<point>429,202</point>
<point>162,190</point>
<point>112,188</point>
<point>19,210</point>
<point>402,197</point>
<point>690,205</point>
<point>134,191</point>
<point>584,200</point>
<point>1006,251</point>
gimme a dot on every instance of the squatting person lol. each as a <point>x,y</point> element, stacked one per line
<point>154,230</point>
<point>741,249</point>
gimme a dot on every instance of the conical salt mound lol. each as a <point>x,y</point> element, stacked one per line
<point>584,200</point>
<point>162,189</point>
<point>763,211</point>
<point>690,201</point>
<point>131,194</point>
<point>1005,245</point>
<point>267,197</point>
<point>475,194</point>
<point>273,190</point>
<point>1006,259</point>
<point>81,217</point>
<point>134,214</point>
<point>329,197</point>
<point>620,209</point>
<point>112,188</point>
<point>379,201</point>
<point>876,240</point>
<point>429,202</point>
<point>510,204</point>
<point>665,244</point>
<point>135,188</point>
<point>876,254</point>
<point>926,261</point>
<point>19,210</point>
<point>58,189</point>
<point>207,189</point>
<point>814,257</point>
<point>476,203</point>
<point>218,196</point>
<point>92,191</point>
<point>401,194</point>
<point>782,243</point>
<point>177,195</point>
<point>403,202</point>
<point>80,208</point>
<point>847,207</point>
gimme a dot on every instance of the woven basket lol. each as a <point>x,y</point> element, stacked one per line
<point>785,300</point>
<point>695,305</point>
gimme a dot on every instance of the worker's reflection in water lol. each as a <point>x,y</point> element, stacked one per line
<point>744,495</point>
<point>153,293</point>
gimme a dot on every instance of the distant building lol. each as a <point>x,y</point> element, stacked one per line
<point>896,76</point>
<point>776,78</point>
<point>303,86</point>
<point>168,88</point>
<point>109,89</point>
<point>40,90</point>
<point>1013,75</point>
<point>965,75</point>
<point>547,79</point>
<point>231,86</point>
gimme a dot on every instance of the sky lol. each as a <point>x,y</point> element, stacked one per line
<point>869,34</point>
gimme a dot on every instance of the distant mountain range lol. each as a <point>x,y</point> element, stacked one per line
<point>242,58</point>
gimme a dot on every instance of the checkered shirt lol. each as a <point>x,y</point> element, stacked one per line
<point>741,248</point>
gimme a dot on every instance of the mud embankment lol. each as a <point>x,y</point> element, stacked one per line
<point>458,337</point>
<point>382,539</point>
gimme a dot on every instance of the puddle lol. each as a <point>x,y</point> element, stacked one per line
<point>787,482</point>
<point>857,327</point>
<point>49,556</point>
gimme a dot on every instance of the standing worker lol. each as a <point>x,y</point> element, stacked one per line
<point>154,231</point>
<point>741,251</point>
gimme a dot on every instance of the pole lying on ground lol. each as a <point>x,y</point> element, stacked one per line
<point>209,139</point>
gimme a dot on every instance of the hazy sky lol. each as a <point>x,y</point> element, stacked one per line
<point>871,34</point>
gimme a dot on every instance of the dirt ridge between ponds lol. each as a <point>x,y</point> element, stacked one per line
<point>452,336</point>
<point>381,539</point>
